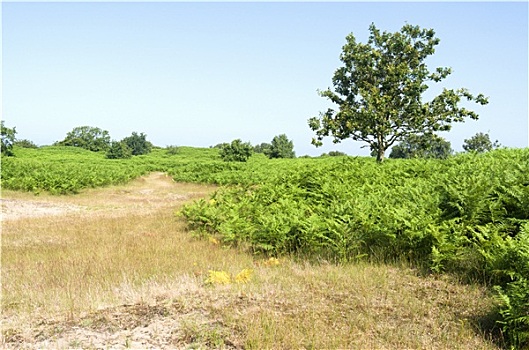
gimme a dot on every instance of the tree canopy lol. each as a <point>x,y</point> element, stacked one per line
<point>87,137</point>
<point>236,151</point>
<point>422,146</point>
<point>8,139</point>
<point>138,144</point>
<point>480,143</point>
<point>379,89</point>
<point>281,147</point>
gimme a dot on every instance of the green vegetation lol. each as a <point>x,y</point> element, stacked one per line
<point>87,137</point>
<point>24,143</point>
<point>281,147</point>
<point>236,151</point>
<point>379,91</point>
<point>480,143</point>
<point>119,150</point>
<point>138,144</point>
<point>8,139</point>
<point>422,146</point>
<point>465,215</point>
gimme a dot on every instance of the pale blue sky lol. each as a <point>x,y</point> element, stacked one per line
<point>198,74</point>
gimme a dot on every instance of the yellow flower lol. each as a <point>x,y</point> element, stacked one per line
<point>218,277</point>
<point>244,276</point>
<point>272,262</point>
<point>214,240</point>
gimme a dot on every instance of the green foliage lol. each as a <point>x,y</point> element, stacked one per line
<point>262,148</point>
<point>138,144</point>
<point>119,150</point>
<point>62,170</point>
<point>25,144</point>
<point>480,143</point>
<point>336,154</point>
<point>514,296</point>
<point>379,91</point>
<point>281,147</point>
<point>422,146</point>
<point>171,150</point>
<point>8,139</point>
<point>466,214</point>
<point>87,137</point>
<point>236,151</point>
<point>220,145</point>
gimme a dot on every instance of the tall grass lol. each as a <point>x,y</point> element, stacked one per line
<point>70,272</point>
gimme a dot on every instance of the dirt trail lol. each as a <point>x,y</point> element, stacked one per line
<point>143,195</point>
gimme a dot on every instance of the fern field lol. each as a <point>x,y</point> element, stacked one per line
<point>467,215</point>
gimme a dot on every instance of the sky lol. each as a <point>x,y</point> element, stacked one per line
<point>199,74</point>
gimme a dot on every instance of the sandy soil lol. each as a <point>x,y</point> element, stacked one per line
<point>158,324</point>
<point>148,193</point>
<point>14,209</point>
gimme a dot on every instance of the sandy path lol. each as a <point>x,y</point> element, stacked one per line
<point>143,195</point>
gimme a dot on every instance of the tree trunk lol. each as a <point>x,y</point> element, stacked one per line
<point>380,154</point>
<point>380,149</point>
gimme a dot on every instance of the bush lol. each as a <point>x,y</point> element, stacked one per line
<point>87,137</point>
<point>138,144</point>
<point>25,144</point>
<point>237,151</point>
<point>171,150</point>
<point>8,139</point>
<point>281,147</point>
<point>119,150</point>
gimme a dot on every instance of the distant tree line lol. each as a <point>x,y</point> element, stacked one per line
<point>97,140</point>
<point>238,151</point>
<point>427,145</point>
<point>434,146</point>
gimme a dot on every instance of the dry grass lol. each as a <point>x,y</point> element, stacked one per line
<point>123,272</point>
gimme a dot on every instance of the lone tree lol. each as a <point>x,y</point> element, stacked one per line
<point>281,147</point>
<point>379,91</point>
<point>480,143</point>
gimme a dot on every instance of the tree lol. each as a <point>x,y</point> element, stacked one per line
<point>379,91</point>
<point>25,143</point>
<point>262,148</point>
<point>138,144</point>
<point>422,146</point>
<point>8,139</point>
<point>480,143</point>
<point>87,137</point>
<point>281,147</point>
<point>236,151</point>
<point>119,150</point>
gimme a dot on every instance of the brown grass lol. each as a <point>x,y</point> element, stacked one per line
<point>123,272</point>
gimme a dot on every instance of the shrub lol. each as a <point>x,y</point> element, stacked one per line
<point>236,151</point>
<point>138,144</point>
<point>87,137</point>
<point>8,139</point>
<point>25,144</point>
<point>281,147</point>
<point>171,150</point>
<point>119,150</point>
